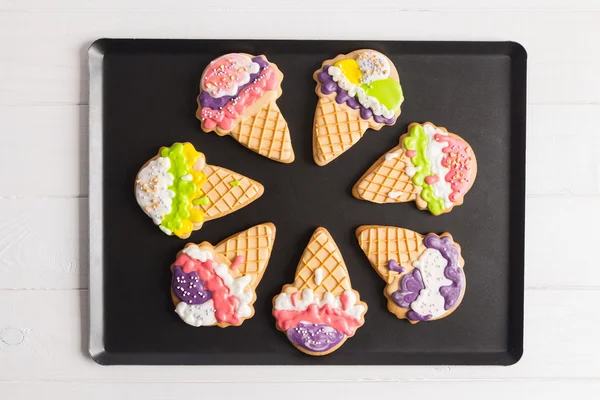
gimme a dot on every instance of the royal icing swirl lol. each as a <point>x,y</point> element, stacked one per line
<point>364,83</point>
<point>356,91</point>
<point>315,337</point>
<point>442,166</point>
<point>435,284</point>
<point>227,74</point>
<point>338,312</point>
<point>246,87</point>
<point>230,297</point>
<point>167,186</point>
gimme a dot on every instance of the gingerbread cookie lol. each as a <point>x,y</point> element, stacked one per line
<point>430,166</point>
<point>320,310</point>
<point>179,191</point>
<point>238,94</point>
<point>357,91</point>
<point>216,285</point>
<point>424,276</point>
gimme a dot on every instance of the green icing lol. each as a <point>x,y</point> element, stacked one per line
<point>182,188</point>
<point>417,140</point>
<point>201,201</point>
<point>235,183</point>
<point>387,91</point>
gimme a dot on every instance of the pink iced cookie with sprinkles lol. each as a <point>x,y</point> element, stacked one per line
<point>238,97</point>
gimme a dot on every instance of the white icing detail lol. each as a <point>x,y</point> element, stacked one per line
<point>319,276</point>
<point>391,156</point>
<point>431,264</point>
<point>165,230</point>
<point>394,194</point>
<point>236,288</point>
<point>435,155</point>
<point>197,314</point>
<point>152,189</point>
<point>283,301</point>
<point>371,71</point>
<point>355,90</point>
<point>412,170</point>
<point>187,177</point>
<point>197,253</point>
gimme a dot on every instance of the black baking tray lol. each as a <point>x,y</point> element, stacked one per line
<point>143,96</point>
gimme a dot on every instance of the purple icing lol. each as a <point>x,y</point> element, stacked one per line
<point>394,266</point>
<point>453,272</point>
<point>315,337</point>
<point>188,287</point>
<point>328,86</point>
<point>412,283</point>
<point>215,102</point>
<point>415,316</point>
<point>410,286</point>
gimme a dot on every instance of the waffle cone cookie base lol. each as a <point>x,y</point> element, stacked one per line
<point>216,285</point>
<point>336,129</point>
<point>357,91</point>
<point>227,192</point>
<point>430,166</point>
<point>424,275</point>
<point>319,311</point>
<point>238,94</point>
<point>266,133</point>
<point>179,191</point>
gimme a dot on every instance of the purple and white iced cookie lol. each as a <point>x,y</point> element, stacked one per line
<point>424,275</point>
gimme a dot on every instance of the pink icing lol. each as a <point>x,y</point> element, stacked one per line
<point>431,179</point>
<point>294,298</point>
<point>458,160</point>
<point>237,261</point>
<point>226,74</point>
<point>226,117</point>
<point>224,304</point>
<point>327,315</point>
<point>345,301</point>
<point>411,153</point>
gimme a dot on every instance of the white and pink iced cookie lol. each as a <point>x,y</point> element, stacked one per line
<point>238,94</point>
<point>319,311</point>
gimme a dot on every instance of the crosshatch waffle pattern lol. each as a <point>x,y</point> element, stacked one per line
<point>322,252</point>
<point>266,133</point>
<point>336,129</point>
<point>254,244</point>
<point>225,198</point>
<point>388,176</point>
<point>384,243</point>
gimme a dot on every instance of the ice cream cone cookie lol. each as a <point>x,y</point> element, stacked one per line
<point>320,310</point>
<point>216,285</point>
<point>238,94</point>
<point>430,166</point>
<point>179,191</point>
<point>424,276</point>
<point>357,91</point>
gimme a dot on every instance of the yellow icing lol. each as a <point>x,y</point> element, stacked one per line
<point>350,69</point>
<point>183,215</point>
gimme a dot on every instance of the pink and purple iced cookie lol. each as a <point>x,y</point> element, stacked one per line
<point>238,94</point>
<point>424,275</point>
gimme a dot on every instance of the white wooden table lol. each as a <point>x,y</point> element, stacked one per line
<point>43,193</point>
